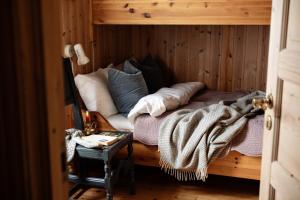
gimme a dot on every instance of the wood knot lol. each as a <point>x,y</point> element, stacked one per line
<point>154,4</point>
<point>147,15</point>
<point>131,10</point>
<point>126,5</point>
<point>171,4</point>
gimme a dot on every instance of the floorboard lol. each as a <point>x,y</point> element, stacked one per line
<point>152,184</point>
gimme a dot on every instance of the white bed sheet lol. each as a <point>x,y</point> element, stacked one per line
<point>120,122</point>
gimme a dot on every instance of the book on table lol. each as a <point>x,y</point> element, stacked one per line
<point>102,140</point>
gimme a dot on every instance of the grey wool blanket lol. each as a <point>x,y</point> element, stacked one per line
<point>189,140</point>
<point>74,137</point>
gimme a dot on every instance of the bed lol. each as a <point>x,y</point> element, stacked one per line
<point>111,41</point>
<point>243,161</point>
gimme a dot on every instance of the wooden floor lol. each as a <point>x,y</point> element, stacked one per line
<point>152,184</point>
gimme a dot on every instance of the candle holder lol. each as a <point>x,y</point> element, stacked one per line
<point>90,128</point>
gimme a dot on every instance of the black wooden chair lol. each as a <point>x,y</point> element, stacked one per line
<point>106,155</point>
<point>71,96</point>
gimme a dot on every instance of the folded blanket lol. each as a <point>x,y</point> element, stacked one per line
<point>165,99</point>
<point>73,137</point>
<point>189,140</point>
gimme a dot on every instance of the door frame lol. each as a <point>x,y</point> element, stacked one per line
<point>278,31</point>
<point>32,143</point>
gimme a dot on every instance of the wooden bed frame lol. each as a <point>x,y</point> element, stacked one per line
<point>234,165</point>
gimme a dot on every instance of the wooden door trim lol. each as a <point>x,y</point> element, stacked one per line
<point>31,58</point>
<point>54,93</point>
<point>278,41</point>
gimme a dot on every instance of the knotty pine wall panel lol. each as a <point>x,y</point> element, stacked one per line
<point>185,12</point>
<point>76,27</point>
<point>113,44</point>
<point>226,58</point>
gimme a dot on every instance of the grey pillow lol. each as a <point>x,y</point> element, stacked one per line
<point>127,87</point>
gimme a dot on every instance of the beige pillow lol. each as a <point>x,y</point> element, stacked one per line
<point>94,92</point>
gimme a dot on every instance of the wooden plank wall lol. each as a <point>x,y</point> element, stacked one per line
<point>210,12</point>
<point>113,44</point>
<point>226,58</point>
<point>77,27</point>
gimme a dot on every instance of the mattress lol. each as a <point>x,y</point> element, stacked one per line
<point>146,128</point>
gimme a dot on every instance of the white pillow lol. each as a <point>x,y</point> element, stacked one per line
<point>94,92</point>
<point>165,99</point>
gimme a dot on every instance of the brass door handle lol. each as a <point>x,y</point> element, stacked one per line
<point>263,103</point>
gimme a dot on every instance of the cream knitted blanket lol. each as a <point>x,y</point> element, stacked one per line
<point>189,140</point>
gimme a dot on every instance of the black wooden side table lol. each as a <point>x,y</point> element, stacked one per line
<point>105,154</point>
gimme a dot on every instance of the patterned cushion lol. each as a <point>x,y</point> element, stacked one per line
<point>126,87</point>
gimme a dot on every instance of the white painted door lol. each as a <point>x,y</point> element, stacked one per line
<point>280,178</point>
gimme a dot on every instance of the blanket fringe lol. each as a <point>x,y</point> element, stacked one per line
<point>183,175</point>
